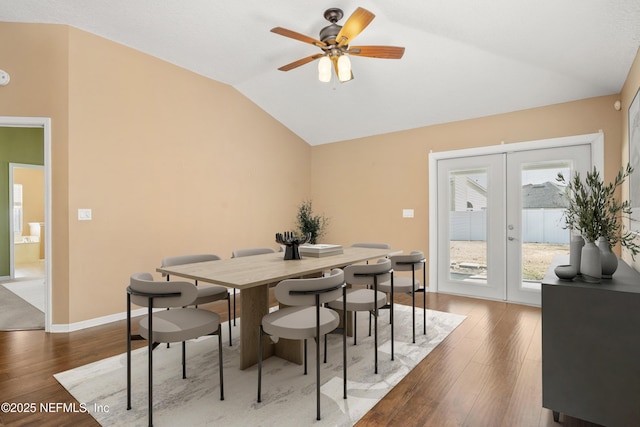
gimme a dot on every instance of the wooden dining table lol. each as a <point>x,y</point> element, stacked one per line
<point>253,275</point>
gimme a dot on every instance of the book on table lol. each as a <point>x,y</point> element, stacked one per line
<point>320,250</point>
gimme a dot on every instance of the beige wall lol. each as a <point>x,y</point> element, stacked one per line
<point>629,90</point>
<point>364,184</point>
<point>36,57</point>
<point>170,162</point>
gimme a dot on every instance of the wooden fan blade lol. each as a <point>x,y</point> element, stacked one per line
<point>300,62</point>
<point>298,36</point>
<point>357,22</point>
<point>385,52</point>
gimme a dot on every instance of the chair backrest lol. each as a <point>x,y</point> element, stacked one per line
<point>371,245</point>
<point>364,274</point>
<point>329,288</point>
<point>187,259</point>
<point>250,252</point>
<point>408,262</point>
<point>143,283</point>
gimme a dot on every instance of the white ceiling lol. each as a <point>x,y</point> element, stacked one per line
<point>463,58</point>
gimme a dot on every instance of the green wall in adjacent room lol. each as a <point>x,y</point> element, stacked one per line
<point>17,145</point>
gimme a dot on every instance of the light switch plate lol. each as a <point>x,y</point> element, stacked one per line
<point>407,213</point>
<point>84,214</point>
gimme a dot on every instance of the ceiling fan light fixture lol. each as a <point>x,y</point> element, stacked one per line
<point>324,69</point>
<point>335,41</point>
<point>344,68</point>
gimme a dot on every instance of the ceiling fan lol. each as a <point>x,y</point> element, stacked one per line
<point>334,42</point>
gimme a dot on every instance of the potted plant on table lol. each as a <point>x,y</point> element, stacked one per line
<point>596,214</point>
<point>310,224</point>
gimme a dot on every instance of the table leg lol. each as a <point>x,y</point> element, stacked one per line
<point>254,304</point>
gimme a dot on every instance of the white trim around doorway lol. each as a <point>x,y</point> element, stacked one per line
<point>45,124</point>
<point>595,140</point>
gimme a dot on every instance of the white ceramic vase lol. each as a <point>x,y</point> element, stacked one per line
<point>590,265</point>
<point>575,251</point>
<point>608,259</point>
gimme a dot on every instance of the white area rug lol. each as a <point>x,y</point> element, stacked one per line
<point>288,396</point>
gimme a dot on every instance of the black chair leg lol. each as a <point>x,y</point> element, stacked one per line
<point>234,307</point>
<point>424,298</point>
<point>305,357</point>
<point>128,351</point>
<point>424,312</point>
<point>413,314</point>
<point>317,337</point>
<point>150,351</point>
<point>318,376</point>
<point>325,348</point>
<point>391,319</point>
<point>220,362</point>
<point>184,360</point>
<point>344,340</point>
<point>355,326</point>
<point>260,335</point>
<point>375,339</point>
<point>234,319</point>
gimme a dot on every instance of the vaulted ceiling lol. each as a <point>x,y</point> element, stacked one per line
<point>463,58</point>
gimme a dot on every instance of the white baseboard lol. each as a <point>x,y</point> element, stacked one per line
<point>98,321</point>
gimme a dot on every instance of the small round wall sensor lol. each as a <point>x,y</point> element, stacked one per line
<point>4,78</point>
<point>617,105</point>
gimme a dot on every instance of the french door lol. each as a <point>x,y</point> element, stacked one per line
<point>499,220</point>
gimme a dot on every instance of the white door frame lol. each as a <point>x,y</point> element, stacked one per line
<point>45,124</point>
<point>595,140</point>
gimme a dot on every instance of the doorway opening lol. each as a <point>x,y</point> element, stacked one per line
<point>26,233</point>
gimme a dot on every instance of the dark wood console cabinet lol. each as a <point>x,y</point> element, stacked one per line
<point>591,347</point>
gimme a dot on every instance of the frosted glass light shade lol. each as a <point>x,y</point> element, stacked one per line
<point>344,68</point>
<point>324,69</point>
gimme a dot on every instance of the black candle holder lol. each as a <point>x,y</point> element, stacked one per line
<point>292,242</point>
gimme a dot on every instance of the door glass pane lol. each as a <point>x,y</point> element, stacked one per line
<point>468,225</point>
<point>543,235</point>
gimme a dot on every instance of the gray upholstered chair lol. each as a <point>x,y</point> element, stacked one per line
<point>246,252</point>
<point>374,245</point>
<point>178,324</point>
<point>206,293</point>
<point>412,262</point>
<point>305,317</point>
<point>368,299</point>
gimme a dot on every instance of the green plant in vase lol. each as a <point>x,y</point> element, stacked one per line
<point>308,223</point>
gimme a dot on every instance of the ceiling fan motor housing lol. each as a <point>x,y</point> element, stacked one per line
<point>329,33</point>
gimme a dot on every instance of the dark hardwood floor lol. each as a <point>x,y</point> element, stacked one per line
<point>486,373</point>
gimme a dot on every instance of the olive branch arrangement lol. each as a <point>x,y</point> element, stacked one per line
<point>594,211</point>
